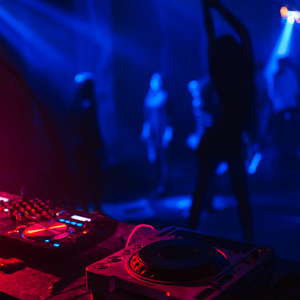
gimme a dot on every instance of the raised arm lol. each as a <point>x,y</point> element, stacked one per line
<point>209,27</point>
<point>208,20</point>
<point>235,23</point>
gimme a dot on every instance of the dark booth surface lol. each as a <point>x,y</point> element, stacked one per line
<point>31,283</point>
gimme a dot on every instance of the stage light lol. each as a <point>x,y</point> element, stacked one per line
<point>290,15</point>
<point>297,16</point>
<point>291,19</point>
<point>283,12</point>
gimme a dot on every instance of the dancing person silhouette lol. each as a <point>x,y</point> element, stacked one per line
<point>232,74</point>
<point>88,147</point>
<point>204,106</point>
<point>156,131</point>
<point>283,127</point>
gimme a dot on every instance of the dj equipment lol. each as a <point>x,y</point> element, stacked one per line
<point>40,229</point>
<point>180,264</point>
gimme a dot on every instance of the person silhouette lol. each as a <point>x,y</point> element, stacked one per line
<point>156,132</point>
<point>283,129</point>
<point>88,147</point>
<point>232,74</point>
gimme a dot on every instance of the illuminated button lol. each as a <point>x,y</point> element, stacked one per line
<point>80,218</point>
<point>115,258</point>
<point>61,220</point>
<point>138,246</point>
<point>127,251</point>
<point>68,221</point>
<point>56,245</point>
<point>46,241</point>
<point>79,224</point>
<point>73,223</point>
<point>101,266</point>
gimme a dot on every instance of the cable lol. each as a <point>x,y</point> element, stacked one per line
<point>56,294</point>
<point>134,230</point>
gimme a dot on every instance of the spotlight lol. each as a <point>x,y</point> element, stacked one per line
<point>290,15</point>
<point>291,19</point>
<point>284,12</point>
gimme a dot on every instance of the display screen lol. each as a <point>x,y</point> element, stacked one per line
<point>4,199</point>
<point>79,218</point>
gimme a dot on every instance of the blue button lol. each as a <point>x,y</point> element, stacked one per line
<point>56,245</point>
<point>47,241</point>
<point>79,224</point>
<point>68,221</point>
<point>61,220</point>
<point>73,223</point>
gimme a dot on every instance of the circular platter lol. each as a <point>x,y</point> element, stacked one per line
<point>177,260</point>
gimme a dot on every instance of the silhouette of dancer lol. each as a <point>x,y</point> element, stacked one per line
<point>87,143</point>
<point>283,121</point>
<point>232,74</point>
<point>156,132</point>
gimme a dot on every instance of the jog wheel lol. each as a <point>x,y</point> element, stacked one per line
<point>47,230</point>
<point>177,260</point>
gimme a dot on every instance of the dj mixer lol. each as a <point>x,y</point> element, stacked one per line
<point>39,229</point>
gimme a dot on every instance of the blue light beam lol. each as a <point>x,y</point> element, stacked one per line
<point>281,50</point>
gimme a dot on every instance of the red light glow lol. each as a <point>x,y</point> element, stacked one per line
<point>284,11</point>
<point>222,253</point>
<point>168,294</point>
<point>33,231</point>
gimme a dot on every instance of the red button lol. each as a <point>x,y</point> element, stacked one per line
<point>101,266</point>
<point>115,258</point>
